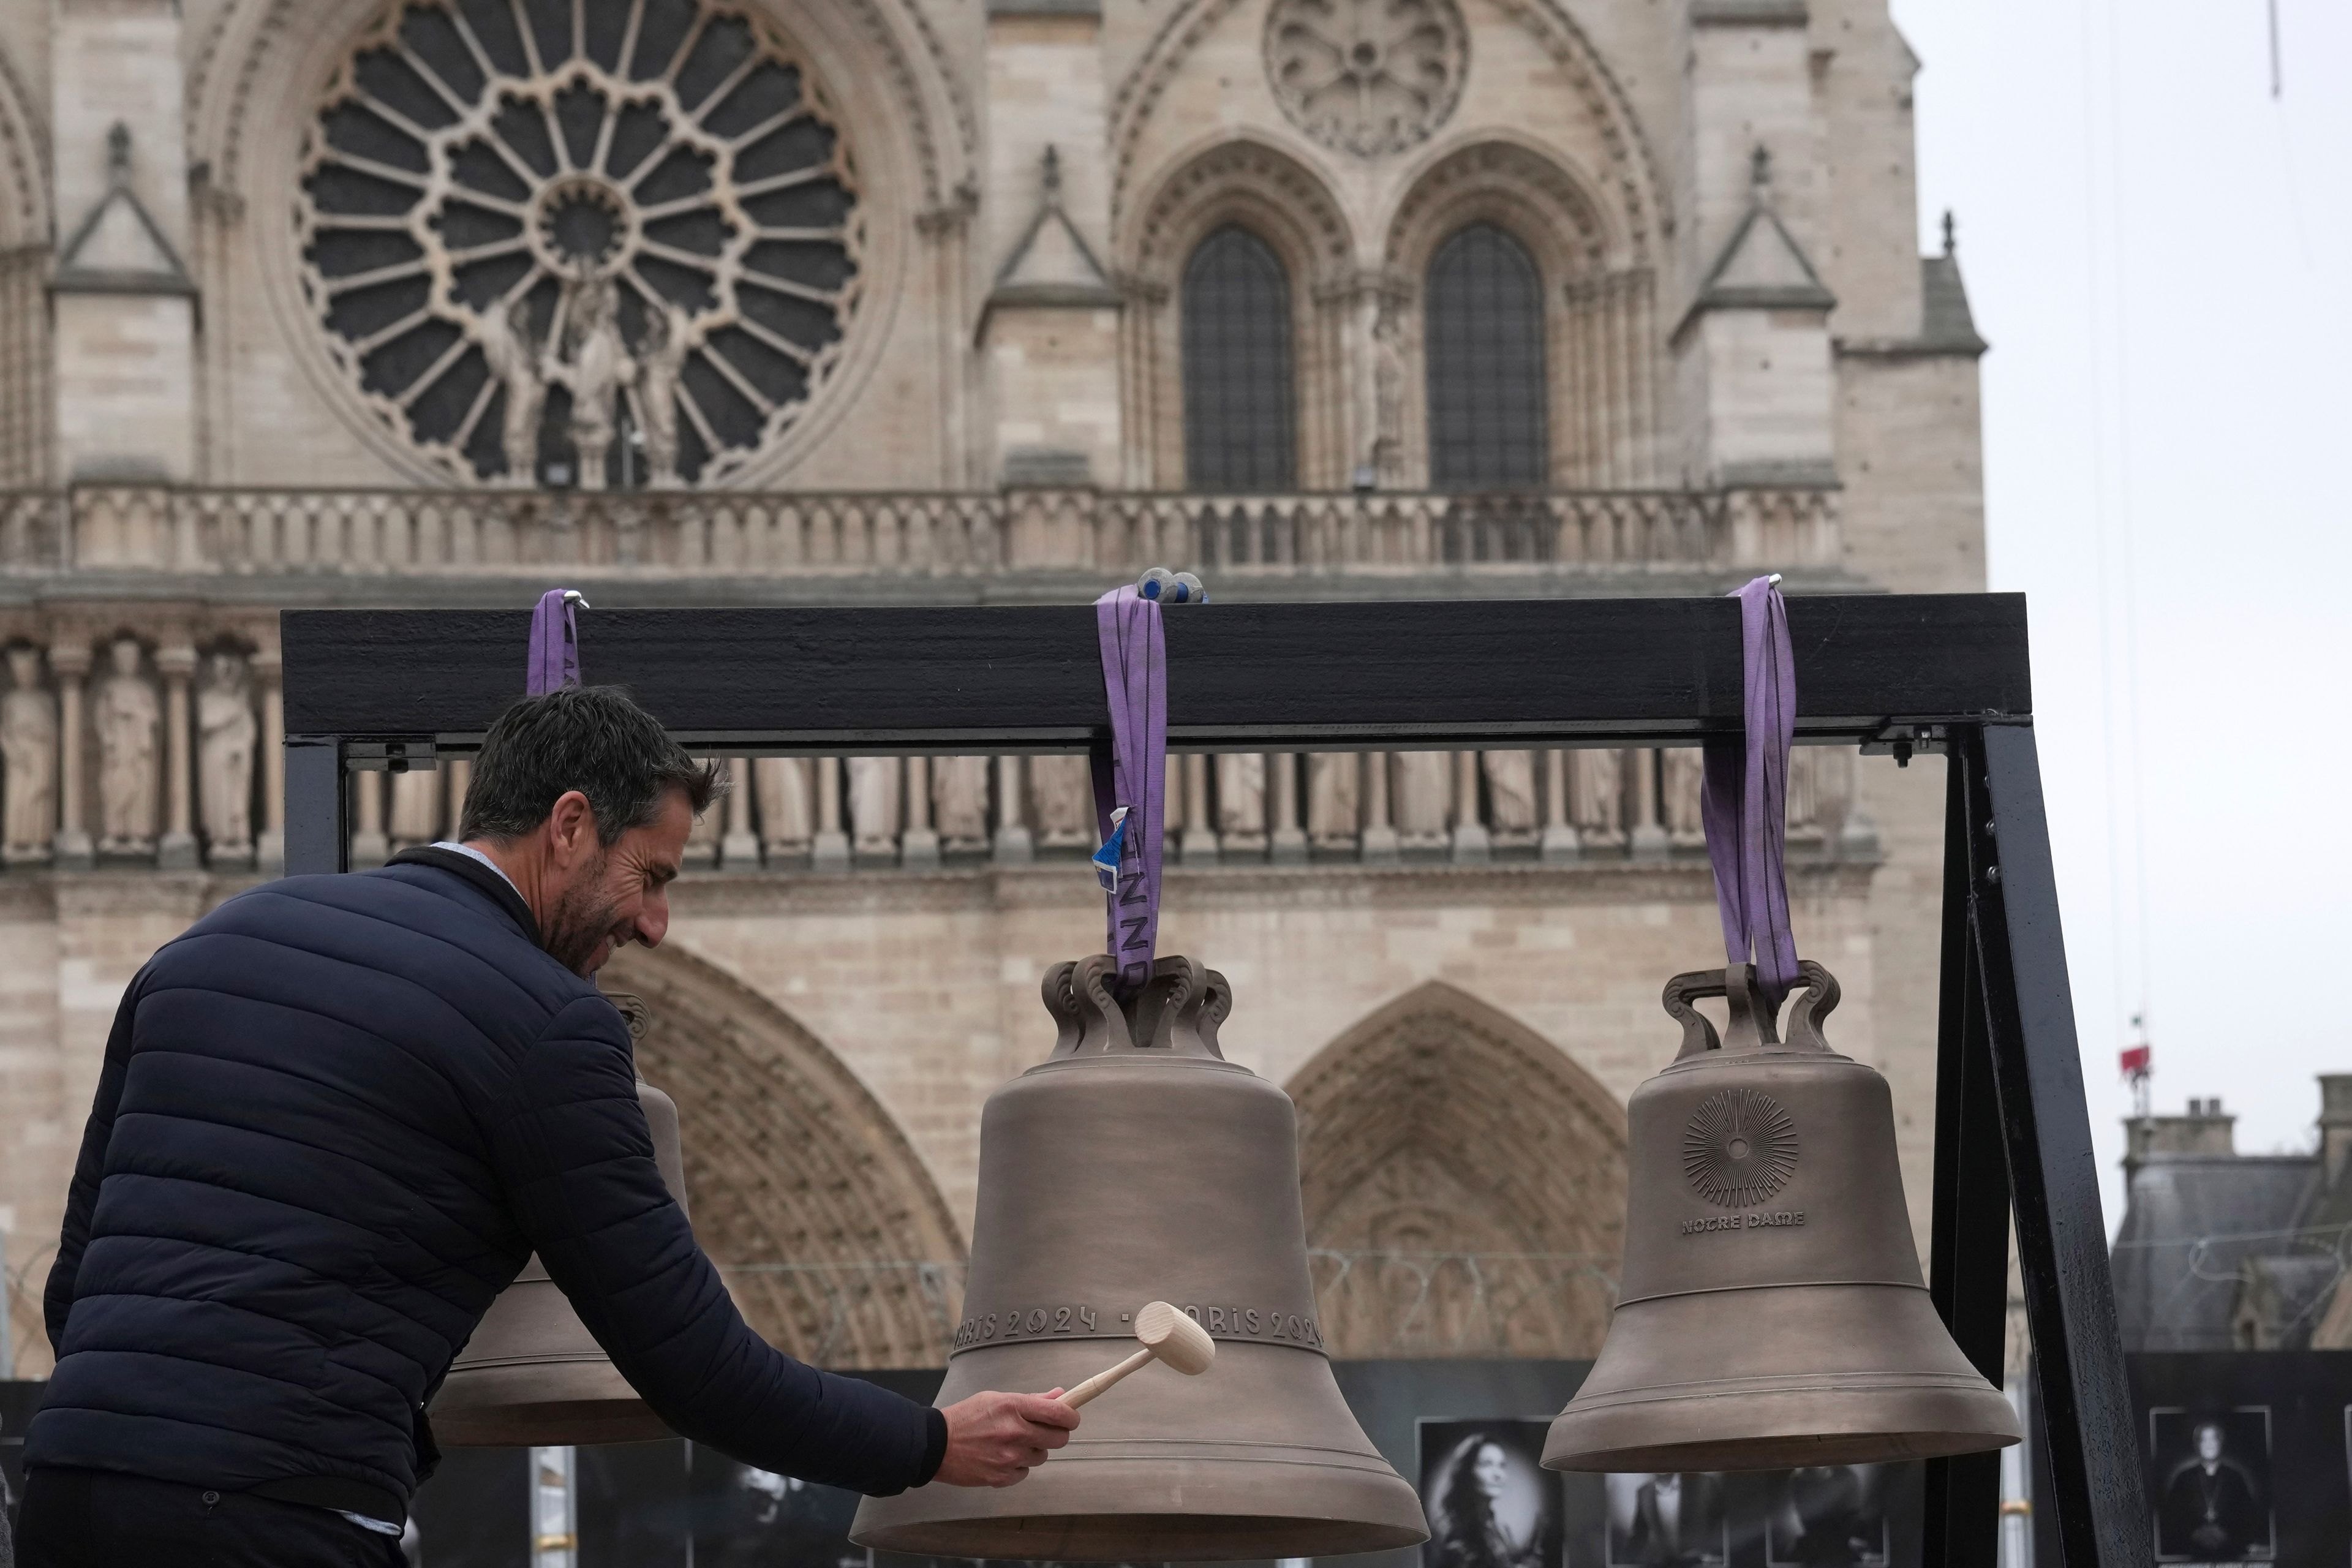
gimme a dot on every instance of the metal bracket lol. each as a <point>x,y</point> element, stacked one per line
<point>407,753</point>
<point>1903,741</point>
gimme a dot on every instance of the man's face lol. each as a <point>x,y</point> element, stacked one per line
<point>610,897</point>
<point>2209,1443</point>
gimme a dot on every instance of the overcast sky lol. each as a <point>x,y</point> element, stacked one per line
<point>2160,254</point>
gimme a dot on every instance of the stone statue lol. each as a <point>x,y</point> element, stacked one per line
<point>1805,814</point>
<point>1510,795</point>
<point>787,817</point>
<point>1062,796</point>
<point>416,807</point>
<point>874,804</point>
<point>960,802</point>
<point>28,760</point>
<point>661,359</point>
<point>1684,781</point>
<point>598,367</point>
<point>1241,799</point>
<point>514,362</point>
<point>1423,793</point>
<point>1333,819</point>
<point>1388,393</point>
<point>126,716</point>
<point>225,731</point>
<point>1597,793</point>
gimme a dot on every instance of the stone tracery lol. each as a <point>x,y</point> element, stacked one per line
<point>624,241</point>
<point>1463,1184</point>
<point>1368,77</point>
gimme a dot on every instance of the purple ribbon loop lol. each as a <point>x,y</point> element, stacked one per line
<point>1134,774</point>
<point>1744,802</point>
<point>554,643</point>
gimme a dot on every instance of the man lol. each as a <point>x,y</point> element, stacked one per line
<point>1677,1522</point>
<point>334,1118</point>
<point>2209,1510</point>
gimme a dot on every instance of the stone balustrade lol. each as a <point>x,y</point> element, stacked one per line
<point>201,532</point>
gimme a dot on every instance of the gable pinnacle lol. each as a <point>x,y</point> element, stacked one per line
<point>1760,164</point>
<point>117,154</point>
<point>1052,176</point>
<point>1951,245</point>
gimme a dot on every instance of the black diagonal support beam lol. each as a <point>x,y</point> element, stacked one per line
<point>2098,1481</point>
<point>1968,1246</point>
<point>1299,675</point>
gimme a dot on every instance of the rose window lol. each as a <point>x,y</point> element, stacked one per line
<point>602,242</point>
<point>1368,77</point>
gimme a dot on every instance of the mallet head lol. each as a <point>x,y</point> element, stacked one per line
<point>1175,1339</point>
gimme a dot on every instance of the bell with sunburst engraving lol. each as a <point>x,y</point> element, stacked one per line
<point>1771,1312</point>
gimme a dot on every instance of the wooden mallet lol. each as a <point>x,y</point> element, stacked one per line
<point>1167,1335</point>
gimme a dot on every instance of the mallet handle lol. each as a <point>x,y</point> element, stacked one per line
<point>1104,1379</point>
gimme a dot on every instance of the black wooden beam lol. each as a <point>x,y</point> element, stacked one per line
<point>1240,675</point>
<point>1967,1273</point>
<point>2097,1483</point>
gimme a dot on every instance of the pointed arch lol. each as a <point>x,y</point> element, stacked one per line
<point>1464,1183</point>
<point>832,1236</point>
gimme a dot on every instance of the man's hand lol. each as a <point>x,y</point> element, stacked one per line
<point>994,1439</point>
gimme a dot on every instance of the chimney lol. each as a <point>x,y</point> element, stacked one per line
<point>2335,1124</point>
<point>2204,1129</point>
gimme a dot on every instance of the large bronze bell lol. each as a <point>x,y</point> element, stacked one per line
<point>1770,1314</point>
<point>532,1373</point>
<point>1136,1164</point>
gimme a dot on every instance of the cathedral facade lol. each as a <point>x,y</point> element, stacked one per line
<point>427,302</point>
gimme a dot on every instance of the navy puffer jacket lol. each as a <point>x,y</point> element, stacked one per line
<point>334,1118</point>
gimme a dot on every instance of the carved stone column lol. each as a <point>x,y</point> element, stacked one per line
<point>176,851</point>
<point>1200,845</point>
<point>918,846</point>
<point>370,845</point>
<point>1470,841</point>
<point>69,657</point>
<point>1287,845</point>
<point>1559,842</point>
<point>269,843</point>
<point>1013,846</point>
<point>1650,840</point>
<point>1380,837</point>
<point>830,850</point>
<point>739,850</point>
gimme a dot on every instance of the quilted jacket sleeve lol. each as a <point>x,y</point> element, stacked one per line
<point>577,1163</point>
<point>89,1168</point>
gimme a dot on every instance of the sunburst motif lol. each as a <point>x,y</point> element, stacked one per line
<point>1740,1147</point>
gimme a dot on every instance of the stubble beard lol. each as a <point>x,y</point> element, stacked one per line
<point>582,920</point>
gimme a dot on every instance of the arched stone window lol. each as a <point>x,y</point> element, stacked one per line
<point>1240,398</point>
<point>1484,335</point>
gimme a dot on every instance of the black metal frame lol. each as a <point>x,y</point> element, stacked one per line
<point>1901,673</point>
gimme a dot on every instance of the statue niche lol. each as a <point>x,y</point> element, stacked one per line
<point>28,760</point>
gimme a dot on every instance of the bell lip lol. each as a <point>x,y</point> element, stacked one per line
<point>1846,1419</point>
<point>1195,1509</point>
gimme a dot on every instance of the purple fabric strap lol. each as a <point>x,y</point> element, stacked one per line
<point>1745,803</point>
<point>555,644</point>
<point>1135,776</point>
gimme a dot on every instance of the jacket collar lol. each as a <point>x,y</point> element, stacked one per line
<point>482,878</point>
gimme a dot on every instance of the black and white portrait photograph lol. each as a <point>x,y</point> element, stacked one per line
<point>2212,1484</point>
<point>1667,1520</point>
<point>1828,1514</point>
<point>1490,1503</point>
